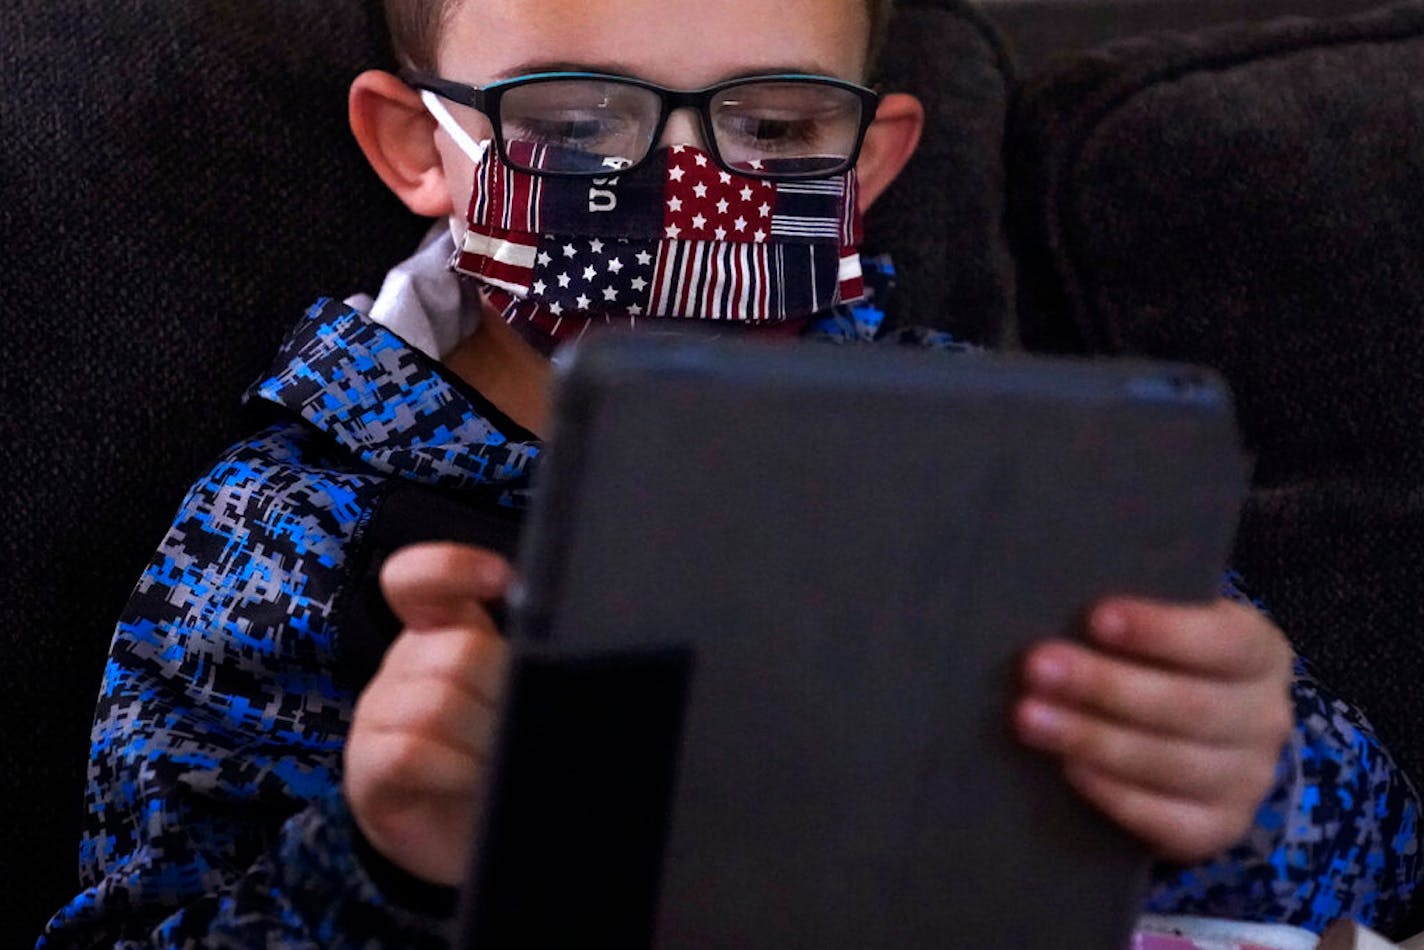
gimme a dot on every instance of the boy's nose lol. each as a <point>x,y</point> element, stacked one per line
<point>683,128</point>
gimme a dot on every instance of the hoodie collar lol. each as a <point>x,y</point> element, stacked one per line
<point>398,410</point>
<point>375,384</point>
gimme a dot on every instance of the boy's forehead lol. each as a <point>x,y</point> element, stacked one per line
<point>681,43</point>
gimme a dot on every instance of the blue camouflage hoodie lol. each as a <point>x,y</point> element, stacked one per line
<point>214,810</point>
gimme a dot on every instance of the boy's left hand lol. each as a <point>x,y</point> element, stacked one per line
<point>1170,719</point>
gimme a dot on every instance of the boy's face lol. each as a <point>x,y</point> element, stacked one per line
<point>683,44</point>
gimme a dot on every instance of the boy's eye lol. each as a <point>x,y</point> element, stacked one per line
<point>562,129</point>
<point>769,132</point>
<point>590,133</point>
<point>603,118</point>
<point>785,120</point>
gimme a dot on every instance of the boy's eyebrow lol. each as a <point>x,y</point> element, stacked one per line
<point>619,69</point>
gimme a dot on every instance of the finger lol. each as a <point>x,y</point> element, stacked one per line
<point>1153,699</point>
<point>474,661</point>
<point>1179,830</point>
<point>443,584</point>
<point>415,800</point>
<point>439,711</point>
<point>1161,764</point>
<point>399,764</point>
<point>1223,639</point>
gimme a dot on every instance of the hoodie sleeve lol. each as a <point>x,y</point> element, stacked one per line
<point>214,812</point>
<point>1338,835</point>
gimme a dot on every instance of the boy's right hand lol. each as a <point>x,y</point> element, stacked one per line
<point>422,729</point>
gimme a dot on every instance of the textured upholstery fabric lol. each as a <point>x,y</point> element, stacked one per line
<point>177,184</point>
<point>942,218</point>
<point>1253,199</point>
<point>1040,30</point>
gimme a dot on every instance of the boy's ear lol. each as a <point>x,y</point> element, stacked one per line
<point>397,133</point>
<point>889,143</point>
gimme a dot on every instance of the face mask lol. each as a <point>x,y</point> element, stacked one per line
<point>677,237</point>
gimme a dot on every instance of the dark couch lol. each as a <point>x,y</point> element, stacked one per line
<point>1252,198</point>
<point>177,184</point>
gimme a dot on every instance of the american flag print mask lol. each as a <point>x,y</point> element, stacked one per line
<point>676,237</point>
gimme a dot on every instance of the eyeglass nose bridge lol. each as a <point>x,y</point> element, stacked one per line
<point>686,119</point>
<point>684,125</point>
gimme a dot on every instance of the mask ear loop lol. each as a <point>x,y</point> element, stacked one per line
<point>475,150</point>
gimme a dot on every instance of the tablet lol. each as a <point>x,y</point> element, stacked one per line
<point>766,642</point>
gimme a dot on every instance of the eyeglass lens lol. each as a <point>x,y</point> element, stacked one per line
<point>584,125</point>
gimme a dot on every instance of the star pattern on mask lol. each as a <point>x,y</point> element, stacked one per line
<point>705,203</point>
<point>587,273</point>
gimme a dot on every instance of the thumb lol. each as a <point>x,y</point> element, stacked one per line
<point>443,584</point>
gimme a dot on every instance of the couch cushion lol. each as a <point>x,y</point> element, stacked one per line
<point>1253,199</point>
<point>177,184</point>
<point>1038,31</point>
<point>943,218</point>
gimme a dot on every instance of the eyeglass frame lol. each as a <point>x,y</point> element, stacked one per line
<point>485,100</point>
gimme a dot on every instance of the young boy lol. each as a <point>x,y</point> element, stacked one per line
<point>257,780</point>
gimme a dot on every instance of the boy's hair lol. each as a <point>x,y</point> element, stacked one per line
<point>416,25</point>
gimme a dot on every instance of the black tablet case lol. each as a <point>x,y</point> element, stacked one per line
<point>766,644</point>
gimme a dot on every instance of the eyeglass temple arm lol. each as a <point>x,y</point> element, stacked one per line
<point>454,91</point>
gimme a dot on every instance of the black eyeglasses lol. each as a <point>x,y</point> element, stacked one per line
<point>585,124</point>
